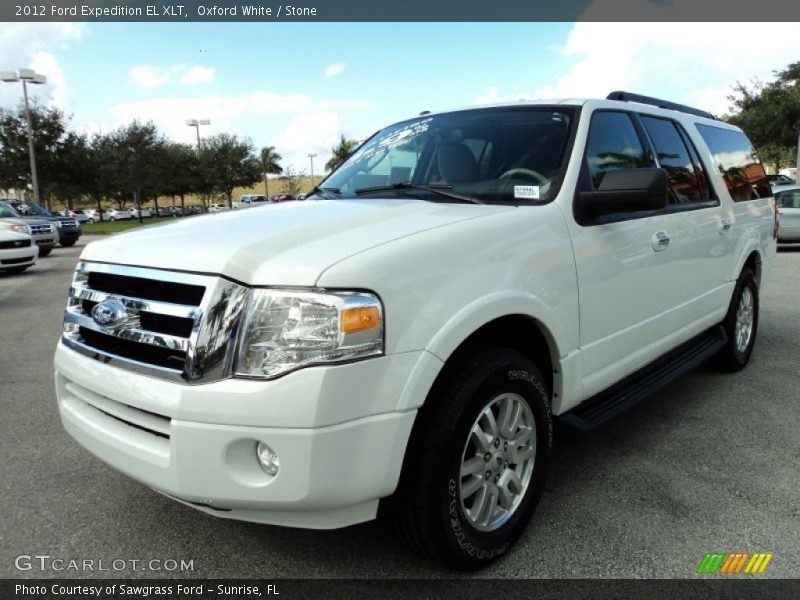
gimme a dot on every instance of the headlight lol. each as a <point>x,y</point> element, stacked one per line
<point>285,330</point>
<point>17,228</point>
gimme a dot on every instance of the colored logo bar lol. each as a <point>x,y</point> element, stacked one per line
<point>734,563</point>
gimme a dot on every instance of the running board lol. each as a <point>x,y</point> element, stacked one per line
<point>636,387</point>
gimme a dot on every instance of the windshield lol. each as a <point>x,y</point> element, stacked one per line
<point>7,212</point>
<point>30,208</point>
<point>509,154</point>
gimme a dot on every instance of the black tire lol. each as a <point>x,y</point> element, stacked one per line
<point>68,244</point>
<point>45,250</point>
<point>427,511</point>
<point>735,356</point>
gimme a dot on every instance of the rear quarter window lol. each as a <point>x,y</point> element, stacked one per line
<point>736,161</point>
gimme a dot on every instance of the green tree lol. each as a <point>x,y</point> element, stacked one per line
<point>269,165</point>
<point>770,115</point>
<point>341,152</point>
<point>291,182</point>
<point>228,162</point>
<point>50,132</point>
<point>135,150</point>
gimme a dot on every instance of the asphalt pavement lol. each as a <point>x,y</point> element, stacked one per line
<point>710,463</point>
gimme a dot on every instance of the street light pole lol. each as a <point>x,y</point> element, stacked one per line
<point>27,76</point>
<point>196,124</point>
<point>311,155</point>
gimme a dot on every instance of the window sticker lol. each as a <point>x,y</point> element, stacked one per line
<point>531,192</point>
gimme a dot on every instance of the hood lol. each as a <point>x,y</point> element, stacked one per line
<point>279,244</point>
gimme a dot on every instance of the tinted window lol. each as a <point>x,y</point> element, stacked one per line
<point>737,162</point>
<point>788,199</point>
<point>613,144</point>
<point>674,158</point>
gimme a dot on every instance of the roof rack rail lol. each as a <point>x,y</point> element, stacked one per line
<point>629,97</point>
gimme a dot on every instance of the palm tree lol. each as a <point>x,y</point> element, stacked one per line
<point>341,152</point>
<point>269,165</point>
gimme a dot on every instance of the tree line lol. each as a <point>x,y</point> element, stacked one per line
<point>769,113</point>
<point>134,163</point>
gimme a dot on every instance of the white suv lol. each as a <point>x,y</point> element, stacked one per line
<point>408,336</point>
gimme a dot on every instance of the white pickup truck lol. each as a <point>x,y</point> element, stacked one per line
<point>407,337</point>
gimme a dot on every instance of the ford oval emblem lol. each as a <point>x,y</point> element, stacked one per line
<point>109,313</point>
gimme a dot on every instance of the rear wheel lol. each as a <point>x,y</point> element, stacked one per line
<point>477,459</point>
<point>741,324</point>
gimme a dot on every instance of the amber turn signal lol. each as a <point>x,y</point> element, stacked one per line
<point>360,319</point>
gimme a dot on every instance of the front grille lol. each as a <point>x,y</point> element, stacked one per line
<point>166,324</point>
<point>13,245</point>
<point>147,289</point>
<point>39,229</point>
<point>69,224</point>
<point>15,261</point>
<point>138,351</point>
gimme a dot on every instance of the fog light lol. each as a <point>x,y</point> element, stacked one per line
<point>267,459</point>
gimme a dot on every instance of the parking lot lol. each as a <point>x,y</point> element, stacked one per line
<point>711,463</point>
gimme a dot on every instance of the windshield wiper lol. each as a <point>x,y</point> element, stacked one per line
<point>324,192</point>
<point>435,188</point>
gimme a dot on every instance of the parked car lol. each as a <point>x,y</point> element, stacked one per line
<point>194,209</point>
<point>788,202</point>
<point>43,230</point>
<point>146,213</point>
<point>17,251</point>
<point>69,229</point>
<point>248,200</point>
<point>215,208</point>
<point>780,180</point>
<point>409,342</point>
<point>301,196</point>
<point>117,214</point>
<point>281,198</point>
<point>77,214</point>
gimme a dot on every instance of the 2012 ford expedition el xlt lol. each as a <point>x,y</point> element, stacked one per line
<point>407,337</point>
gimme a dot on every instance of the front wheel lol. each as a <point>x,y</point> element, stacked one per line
<point>68,244</point>
<point>741,324</point>
<point>45,250</point>
<point>476,461</point>
<point>12,270</point>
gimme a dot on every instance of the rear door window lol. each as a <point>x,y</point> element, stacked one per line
<point>686,177</point>
<point>737,162</point>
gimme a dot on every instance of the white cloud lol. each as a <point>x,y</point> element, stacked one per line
<point>145,76</point>
<point>649,58</point>
<point>148,76</point>
<point>27,45</point>
<point>334,69</point>
<point>491,96</point>
<point>295,124</point>
<point>197,75</point>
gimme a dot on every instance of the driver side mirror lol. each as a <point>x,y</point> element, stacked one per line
<point>627,190</point>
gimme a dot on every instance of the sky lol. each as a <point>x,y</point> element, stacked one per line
<point>299,86</point>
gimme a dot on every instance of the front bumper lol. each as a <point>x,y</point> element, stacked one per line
<point>69,235</point>
<point>18,257</point>
<point>340,449</point>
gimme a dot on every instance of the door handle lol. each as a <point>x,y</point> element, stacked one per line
<point>660,241</point>
<point>724,226</point>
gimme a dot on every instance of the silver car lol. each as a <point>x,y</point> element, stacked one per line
<point>788,202</point>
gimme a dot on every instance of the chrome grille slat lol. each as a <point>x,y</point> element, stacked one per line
<point>131,330</point>
<point>138,304</point>
<point>155,336</point>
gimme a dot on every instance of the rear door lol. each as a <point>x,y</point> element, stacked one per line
<point>700,240</point>
<point>789,209</point>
